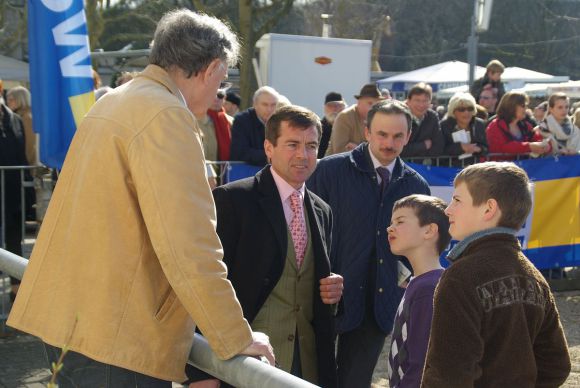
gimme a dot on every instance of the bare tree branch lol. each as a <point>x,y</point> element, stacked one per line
<point>273,19</point>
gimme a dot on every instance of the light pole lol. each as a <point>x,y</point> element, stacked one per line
<point>479,23</point>
<point>326,26</point>
<point>472,44</point>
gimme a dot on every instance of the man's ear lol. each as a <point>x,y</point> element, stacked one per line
<point>211,69</point>
<point>269,149</point>
<point>367,133</point>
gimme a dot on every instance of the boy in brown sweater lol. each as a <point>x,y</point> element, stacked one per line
<point>495,322</point>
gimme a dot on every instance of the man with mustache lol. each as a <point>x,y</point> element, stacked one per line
<point>333,105</point>
<point>361,187</point>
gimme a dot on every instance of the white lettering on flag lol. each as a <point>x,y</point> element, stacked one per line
<point>69,65</point>
<point>57,5</point>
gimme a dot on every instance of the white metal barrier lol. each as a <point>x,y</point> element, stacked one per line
<point>240,371</point>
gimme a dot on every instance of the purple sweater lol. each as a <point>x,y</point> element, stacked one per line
<point>410,335</point>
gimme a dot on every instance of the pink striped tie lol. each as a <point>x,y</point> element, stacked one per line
<point>298,227</point>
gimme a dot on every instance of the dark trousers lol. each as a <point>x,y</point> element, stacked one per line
<point>358,352</point>
<point>81,371</point>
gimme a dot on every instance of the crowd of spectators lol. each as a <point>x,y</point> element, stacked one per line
<point>487,123</point>
<point>325,224</point>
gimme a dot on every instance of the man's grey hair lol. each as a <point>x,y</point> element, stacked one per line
<point>265,90</point>
<point>191,41</point>
<point>389,107</point>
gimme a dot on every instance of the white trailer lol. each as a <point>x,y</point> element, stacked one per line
<point>305,68</point>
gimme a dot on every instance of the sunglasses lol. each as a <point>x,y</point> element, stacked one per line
<point>465,108</point>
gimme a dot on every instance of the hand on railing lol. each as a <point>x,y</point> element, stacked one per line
<point>470,148</point>
<point>539,147</point>
<point>260,346</point>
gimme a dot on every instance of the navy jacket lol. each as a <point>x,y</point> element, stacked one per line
<point>325,138</point>
<point>429,129</point>
<point>248,135</point>
<point>348,183</point>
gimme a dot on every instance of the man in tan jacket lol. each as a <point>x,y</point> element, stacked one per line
<point>128,262</point>
<point>348,130</point>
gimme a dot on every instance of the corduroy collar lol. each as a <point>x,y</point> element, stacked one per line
<point>463,244</point>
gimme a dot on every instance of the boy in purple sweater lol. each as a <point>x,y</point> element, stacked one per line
<point>420,231</point>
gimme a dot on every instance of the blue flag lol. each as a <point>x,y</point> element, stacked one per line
<point>60,73</point>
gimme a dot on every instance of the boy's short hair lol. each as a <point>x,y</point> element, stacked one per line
<point>505,182</point>
<point>429,210</point>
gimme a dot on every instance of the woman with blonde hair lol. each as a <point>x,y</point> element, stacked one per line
<point>463,133</point>
<point>18,100</point>
<point>558,127</point>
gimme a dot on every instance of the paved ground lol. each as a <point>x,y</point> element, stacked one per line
<point>22,358</point>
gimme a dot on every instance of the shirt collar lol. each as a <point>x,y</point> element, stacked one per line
<point>377,164</point>
<point>417,119</point>
<point>460,247</point>
<point>284,188</point>
<point>182,97</point>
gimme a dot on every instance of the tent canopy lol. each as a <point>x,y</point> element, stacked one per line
<point>13,70</point>
<point>439,76</point>
<point>452,74</point>
<point>571,88</point>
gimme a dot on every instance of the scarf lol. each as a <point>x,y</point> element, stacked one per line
<point>565,135</point>
<point>222,132</point>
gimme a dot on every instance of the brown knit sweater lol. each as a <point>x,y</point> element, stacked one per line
<point>495,322</point>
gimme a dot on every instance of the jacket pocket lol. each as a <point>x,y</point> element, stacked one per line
<point>166,306</point>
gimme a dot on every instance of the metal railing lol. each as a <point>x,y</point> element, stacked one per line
<point>460,162</point>
<point>240,371</point>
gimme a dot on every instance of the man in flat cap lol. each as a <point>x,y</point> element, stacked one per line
<point>348,129</point>
<point>333,105</point>
<point>232,103</point>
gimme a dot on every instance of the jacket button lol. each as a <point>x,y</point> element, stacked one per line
<point>266,281</point>
<point>378,232</point>
<point>297,308</point>
<point>291,337</point>
<point>380,261</point>
<point>380,290</point>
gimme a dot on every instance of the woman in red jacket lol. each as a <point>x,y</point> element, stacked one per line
<point>510,133</point>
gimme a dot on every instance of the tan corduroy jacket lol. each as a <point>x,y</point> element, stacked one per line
<point>348,128</point>
<point>128,244</point>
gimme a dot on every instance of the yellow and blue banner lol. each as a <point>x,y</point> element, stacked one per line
<point>551,235</point>
<point>60,73</point>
